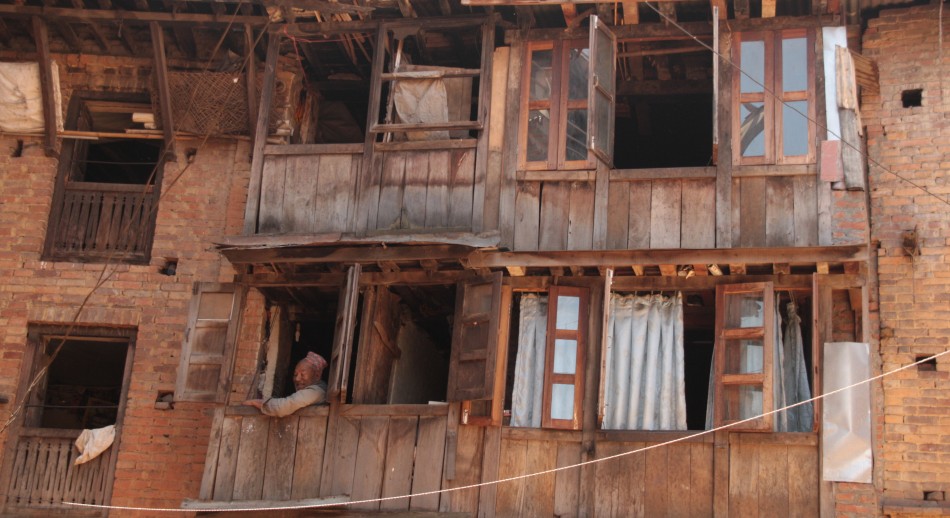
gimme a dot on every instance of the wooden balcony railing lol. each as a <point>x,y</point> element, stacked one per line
<point>102,221</point>
<point>43,475</point>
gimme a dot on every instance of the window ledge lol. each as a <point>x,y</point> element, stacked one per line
<point>653,436</point>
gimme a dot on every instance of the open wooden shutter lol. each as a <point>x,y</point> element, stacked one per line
<point>213,321</point>
<point>343,334</point>
<point>602,88</point>
<point>378,350</point>
<point>745,336</point>
<point>475,338</point>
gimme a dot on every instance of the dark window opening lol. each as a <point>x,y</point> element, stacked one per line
<point>664,114</point>
<point>316,334</point>
<point>912,98</point>
<point>83,385</point>
<point>104,205</point>
<point>664,131</point>
<point>337,88</point>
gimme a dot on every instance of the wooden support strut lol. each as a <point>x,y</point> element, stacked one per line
<point>260,137</point>
<point>41,36</point>
<point>164,96</point>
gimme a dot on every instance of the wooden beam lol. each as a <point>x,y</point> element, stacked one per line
<point>90,15</point>
<point>736,268</point>
<point>516,271</point>
<point>346,254</point>
<point>721,4</point>
<point>164,95</point>
<point>668,270</point>
<point>41,36</point>
<point>260,136</point>
<point>97,33</point>
<point>781,269</point>
<point>625,33</point>
<point>250,78</point>
<point>709,282</point>
<point>637,269</point>
<point>768,8</point>
<point>570,12</point>
<point>631,12</point>
<point>741,8</point>
<point>594,258</point>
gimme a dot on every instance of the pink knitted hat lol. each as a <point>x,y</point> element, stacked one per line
<point>316,361</point>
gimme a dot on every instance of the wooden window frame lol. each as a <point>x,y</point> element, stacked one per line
<point>74,150</point>
<point>766,333</point>
<point>559,104</point>
<point>580,336</point>
<point>773,97</point>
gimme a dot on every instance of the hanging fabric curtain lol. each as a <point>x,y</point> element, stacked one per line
<point>645,387</point>
<point>795,374</point>
<point>789,376</point>
<point>529,362</point>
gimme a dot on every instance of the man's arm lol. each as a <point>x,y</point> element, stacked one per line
<point>282,407</point>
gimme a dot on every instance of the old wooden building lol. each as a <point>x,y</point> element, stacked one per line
<point>526,235</point>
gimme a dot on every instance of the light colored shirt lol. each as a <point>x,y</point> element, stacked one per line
<point>284,406</point>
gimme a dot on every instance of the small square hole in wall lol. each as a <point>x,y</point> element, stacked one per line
<point>930,365</point>
<point>912,98</point>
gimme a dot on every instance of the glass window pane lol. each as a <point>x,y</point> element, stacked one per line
<point>753,64</point>
<point>794,128</point>
<point>478,298</point>
<point>576,135</point>
<point>741,402</point>
<point>562,401</point>
<point>579,64</point>
<point>752,130</point>
<point>565,356</point>
<point>744,310</point>
<point>603,119</point>
<point>541,61</point>
<point>743,356</point>
<point>568,309</point>
<point>539,126</point>
<point>794,65</point>
<point>215,306</point>
<point>603,66</point>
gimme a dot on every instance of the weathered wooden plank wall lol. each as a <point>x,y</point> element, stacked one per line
<point>309,193</point>
<point>426,189</point>
<point>678,213</point>
<point>773,479</point>
<point>554,215</point>
<point>775,210</point>
<point>316,455</point>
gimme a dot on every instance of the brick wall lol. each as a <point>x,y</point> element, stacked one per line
<point>161,453</point>
<point>914,142</point>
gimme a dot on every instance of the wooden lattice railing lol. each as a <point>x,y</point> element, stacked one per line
<point>103,221</point>
<point>43,474</point>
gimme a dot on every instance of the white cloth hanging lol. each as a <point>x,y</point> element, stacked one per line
<point>795,374</point>
<point>645,386</point>
<point>528,385</point>
<point>91,443</point>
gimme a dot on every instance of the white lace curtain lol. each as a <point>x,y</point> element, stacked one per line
<point>645,386</point>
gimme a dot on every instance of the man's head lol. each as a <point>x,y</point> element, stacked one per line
<point>309,370</point>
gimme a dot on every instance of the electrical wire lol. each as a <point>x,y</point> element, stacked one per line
<point>775,96</point>
<point>517,477</point>
<point>105,274</point>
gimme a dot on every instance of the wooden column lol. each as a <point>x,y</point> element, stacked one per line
<point>250,77</point>
<point>260,136</point>
<point>164,96</point>
<point>367,188</point>
<point>724,221</point>
<point>41,36</point>
<point>484,103</point>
